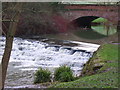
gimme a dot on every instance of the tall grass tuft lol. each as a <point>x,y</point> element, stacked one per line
<point>63,74</point>
<point>42,76</point>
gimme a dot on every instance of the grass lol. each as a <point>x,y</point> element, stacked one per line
<point>63,74</point>
<point>42,76</point>
<point>105,77</point>
<point>101,29</point>
<point>99,20</point>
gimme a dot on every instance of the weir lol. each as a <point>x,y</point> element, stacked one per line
<point>68,50</point>
<point>28,55</point>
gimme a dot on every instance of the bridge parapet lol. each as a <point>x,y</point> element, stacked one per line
<point>92,7</point>
<point>109,12</point>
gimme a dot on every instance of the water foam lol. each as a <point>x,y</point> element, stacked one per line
<point>33,54</point>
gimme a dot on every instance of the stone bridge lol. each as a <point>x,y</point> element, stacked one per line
<point>85,14</point>
<point>80,15</point>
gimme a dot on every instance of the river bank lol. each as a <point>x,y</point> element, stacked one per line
<point>101,71</point>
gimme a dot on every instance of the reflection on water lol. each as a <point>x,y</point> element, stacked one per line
<point>98,34</point>
<point>97,31</point>
<point>105,30</point>
<point>89,34</point>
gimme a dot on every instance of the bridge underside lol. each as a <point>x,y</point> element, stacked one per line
<point>83,22</point>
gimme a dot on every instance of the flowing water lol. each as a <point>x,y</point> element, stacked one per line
<point>28,55</point>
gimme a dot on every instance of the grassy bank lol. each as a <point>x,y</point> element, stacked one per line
<point>100,72</point>
<point>99,20</point>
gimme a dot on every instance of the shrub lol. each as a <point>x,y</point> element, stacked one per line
<point>42,76</point>
<point>63,74</point>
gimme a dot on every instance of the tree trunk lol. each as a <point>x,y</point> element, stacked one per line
<point>118,26</point>
<point>9,41</point>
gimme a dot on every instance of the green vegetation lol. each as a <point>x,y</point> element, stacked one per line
<point>99,72</point>
<point>42,76</point>
<point>101,29</point>
<point>99,20</point>
<point>63,74</point>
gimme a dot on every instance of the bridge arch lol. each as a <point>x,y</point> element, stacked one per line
<point>73,14</point>
<point>109,15</point>
<point>84,21</point>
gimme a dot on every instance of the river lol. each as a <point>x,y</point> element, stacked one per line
<point>72,49</point>
<point>28,55</point>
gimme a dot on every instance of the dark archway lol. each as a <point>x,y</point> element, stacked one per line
<point>83,22</point>
<point>82,27</point>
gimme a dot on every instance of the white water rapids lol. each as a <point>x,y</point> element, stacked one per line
<point>28,55</point>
